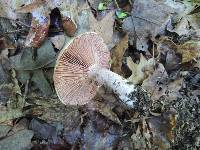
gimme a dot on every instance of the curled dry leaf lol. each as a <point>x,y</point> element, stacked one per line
<point>117,55</point>
<point>140,71</point>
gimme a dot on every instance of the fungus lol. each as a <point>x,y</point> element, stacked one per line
<point>82,66</point>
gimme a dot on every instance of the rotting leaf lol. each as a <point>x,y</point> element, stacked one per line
<point>24,61</point>
<point>140,71</point>
<point>18,141</point>
<point>69,26</point>
<point>117,55</point>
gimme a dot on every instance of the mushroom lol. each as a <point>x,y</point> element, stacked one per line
<point>82,66</point>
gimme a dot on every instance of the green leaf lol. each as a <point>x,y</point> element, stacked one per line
<point>120,14</point>
<point>102,6</point>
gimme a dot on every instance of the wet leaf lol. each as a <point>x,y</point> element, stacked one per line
<point>117,55</point>
<point>68,116</point>
<point>140,71</point>
<point>18,141</point>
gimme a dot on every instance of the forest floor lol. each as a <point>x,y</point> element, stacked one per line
<point>153,43</point>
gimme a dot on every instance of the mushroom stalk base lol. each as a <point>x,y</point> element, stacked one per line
<point>120,86</point>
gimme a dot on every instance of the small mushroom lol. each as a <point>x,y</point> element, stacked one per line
<point>82,66</point>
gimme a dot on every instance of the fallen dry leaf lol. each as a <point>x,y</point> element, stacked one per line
<point>103,27</point>
<point>147,20</point>
<point>141,138</point>
<point>162,129</point>
<point>166,53</point>
<point>158,85</point>
<point>186,21</point>
<point>30,7</point>
<point>103,109</point>
<point>117,55</point>
<point>7,9</point>
<point>140,71</point>
<point>58,41</point>
<point>69,26</point>
<point>189,51</point>
<point>39,27</point>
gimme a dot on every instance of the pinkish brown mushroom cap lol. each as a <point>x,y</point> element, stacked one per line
<point>72,84</point>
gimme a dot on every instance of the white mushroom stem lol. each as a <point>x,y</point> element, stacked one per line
<point>120,86</point>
